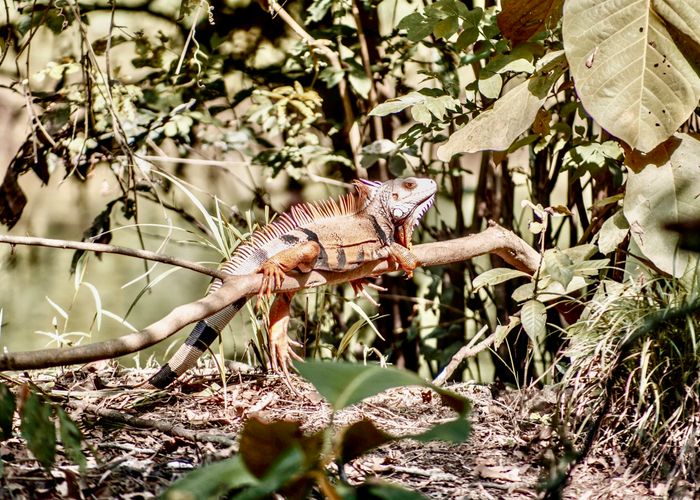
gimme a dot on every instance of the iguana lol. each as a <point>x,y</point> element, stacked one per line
<point>374,223</point>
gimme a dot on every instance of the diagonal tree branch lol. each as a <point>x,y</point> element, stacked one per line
<point>495,240</point>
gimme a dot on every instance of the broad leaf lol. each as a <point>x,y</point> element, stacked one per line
<point>559,266</point>
<point>497,276</point>
<point>511,115</point>
<point>524,292</point>
<point>662,194</point>
<point>629,72</point>
<point>344,384</point>
<point>613,232</point>
<point>534,317</point>
<point>39,429</point>
<point>398,104</point>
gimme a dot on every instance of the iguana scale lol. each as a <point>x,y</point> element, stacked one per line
<point>374,223</point>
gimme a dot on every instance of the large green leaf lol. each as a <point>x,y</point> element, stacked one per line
<point>344,384</point>
<point>499,126</point>
<point>630,74</point>
<point>662,193</point>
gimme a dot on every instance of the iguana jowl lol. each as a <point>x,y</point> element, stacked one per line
<point>374,223</point>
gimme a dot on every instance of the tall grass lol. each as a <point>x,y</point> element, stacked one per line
<point>633,383</point>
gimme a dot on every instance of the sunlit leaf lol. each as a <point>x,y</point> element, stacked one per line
<point>497,276</point>
<point>660,194</point>
<point>629,72</point>
<point>613,232</point>
<point>398,104</point>
<point>511,115</point>
<point>559,266</point>
<point>533,316</point>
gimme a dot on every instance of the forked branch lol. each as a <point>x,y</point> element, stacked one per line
<point>495,239</point>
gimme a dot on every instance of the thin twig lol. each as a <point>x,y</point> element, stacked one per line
<point>145,423</point>
<point>102,248</point>
<point>190,37</point>
<point>467,351</point>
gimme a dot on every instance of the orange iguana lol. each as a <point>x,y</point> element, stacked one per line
<point>374,223</point>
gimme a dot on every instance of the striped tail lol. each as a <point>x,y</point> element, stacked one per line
<point>199,340</point>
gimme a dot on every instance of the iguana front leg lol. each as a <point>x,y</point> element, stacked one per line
<point>404,258</point>
<point>301,256</point>
<point>358,286</point>
<point>281,352</point>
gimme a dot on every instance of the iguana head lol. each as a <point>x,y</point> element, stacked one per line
<point>404,201</point>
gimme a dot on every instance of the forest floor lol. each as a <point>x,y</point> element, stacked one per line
<point>139,445</point>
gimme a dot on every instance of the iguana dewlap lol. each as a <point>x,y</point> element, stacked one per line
<point>374,223</point>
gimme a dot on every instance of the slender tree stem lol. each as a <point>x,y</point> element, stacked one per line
<point>102,248</point>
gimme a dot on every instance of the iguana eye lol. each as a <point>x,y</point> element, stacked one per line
<point>409,185</point>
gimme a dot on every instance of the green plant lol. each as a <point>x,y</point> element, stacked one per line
<point>38,421</point>
<point>279,457</point>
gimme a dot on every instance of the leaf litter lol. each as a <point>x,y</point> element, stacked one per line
<point>196,423</point>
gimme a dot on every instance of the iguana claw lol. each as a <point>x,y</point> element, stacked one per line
<point>358,286</point>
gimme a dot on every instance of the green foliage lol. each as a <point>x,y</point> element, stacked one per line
<point>663,193</point>
<point>277,457</point>
<point>38,421</point>
<point>39,429</point>
<point>576,109</point>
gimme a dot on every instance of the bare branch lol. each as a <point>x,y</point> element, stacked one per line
<point>495,239</point>
<point>102,248</point>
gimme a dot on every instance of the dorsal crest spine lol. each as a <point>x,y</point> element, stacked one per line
<point>298,216</point>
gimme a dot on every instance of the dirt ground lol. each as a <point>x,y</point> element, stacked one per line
<point>139,443</point>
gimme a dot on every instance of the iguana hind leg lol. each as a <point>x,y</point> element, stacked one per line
<point>281,346</point>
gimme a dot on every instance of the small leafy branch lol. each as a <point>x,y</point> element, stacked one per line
<point>277,457</point>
